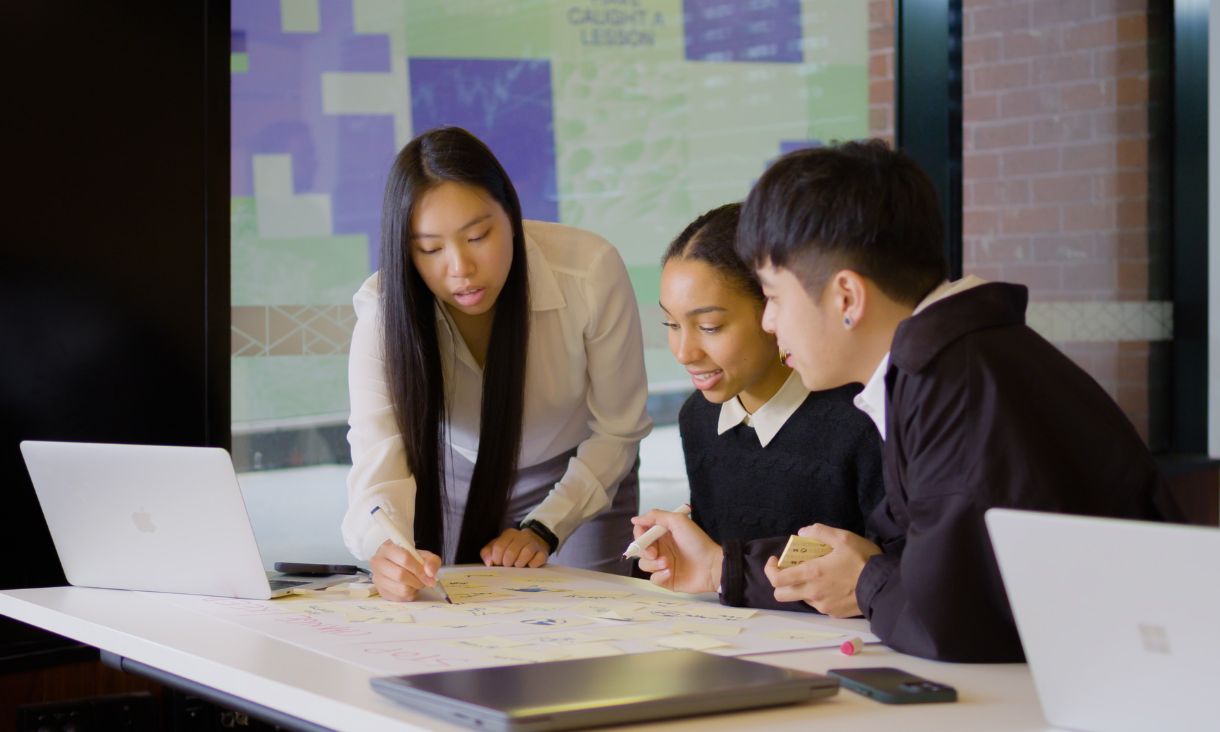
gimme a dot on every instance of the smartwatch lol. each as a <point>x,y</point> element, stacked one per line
<point>542,531</point>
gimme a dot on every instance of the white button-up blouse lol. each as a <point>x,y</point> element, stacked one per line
<point>585,388</point>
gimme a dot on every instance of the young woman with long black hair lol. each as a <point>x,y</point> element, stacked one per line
<point>496,377</point>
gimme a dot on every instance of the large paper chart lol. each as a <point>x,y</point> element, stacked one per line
<point>503,616</point>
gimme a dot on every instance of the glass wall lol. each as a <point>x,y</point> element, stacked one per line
<point>625,117</point>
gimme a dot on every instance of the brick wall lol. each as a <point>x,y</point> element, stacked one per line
<point>1056,162</point>
<point>1056,145</point>
<point>881,69</point>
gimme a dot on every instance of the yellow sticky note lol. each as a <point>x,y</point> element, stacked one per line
<point>805,636</point>
<point>691,641</point>
<point>492,642</point>
<point>712,629</point>
<point>559,653</point>
<point>800,549</point>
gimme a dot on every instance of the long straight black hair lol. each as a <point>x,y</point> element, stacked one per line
<point>412,356</point>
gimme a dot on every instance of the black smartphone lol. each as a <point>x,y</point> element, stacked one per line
<point>893,685</point>
<point>311,570</point>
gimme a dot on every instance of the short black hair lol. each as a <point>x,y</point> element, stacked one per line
<point>712,239</point>
<point>857,205</point>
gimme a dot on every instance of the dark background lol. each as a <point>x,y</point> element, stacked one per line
<point>114,294</point>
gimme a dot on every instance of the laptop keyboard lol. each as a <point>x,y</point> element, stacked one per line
<point>284,584</point>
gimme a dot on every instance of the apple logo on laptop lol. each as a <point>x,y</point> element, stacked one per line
<point>1155,638</point>
<point>143,521</point>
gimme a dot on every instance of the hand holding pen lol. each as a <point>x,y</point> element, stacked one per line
<point>636,548</point>
<point>678,555</point>
<point>400,570</point>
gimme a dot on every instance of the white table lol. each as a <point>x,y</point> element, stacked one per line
<point>296,687</point>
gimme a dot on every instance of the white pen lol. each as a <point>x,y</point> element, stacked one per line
<point>637,547</point>
<point>395,535</point>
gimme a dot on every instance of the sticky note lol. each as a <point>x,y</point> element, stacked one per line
<point>713,629</point>
<point>808,636</point>
<point>559,653</point>
<point>691,641</point>
<point>463,595</point>
<point>479,611</point>
<point>800,549</point>
<point>453,621</point>
<point>704,611</point>
<point>492,642</point>
<point>627,631</point>
<point>597,594</point>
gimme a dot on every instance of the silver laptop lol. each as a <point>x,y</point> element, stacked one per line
<point>1120,620</point>
<point>592,692</point>
<point>163,519</point>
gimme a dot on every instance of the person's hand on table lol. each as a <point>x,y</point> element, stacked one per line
<point>516,548</point>
<point>684,559</point>
<point>828,583</point>
<point>398,576</point>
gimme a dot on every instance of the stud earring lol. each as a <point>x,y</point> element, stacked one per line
<point>847,321</point>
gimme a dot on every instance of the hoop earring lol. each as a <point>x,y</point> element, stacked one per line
<point>783,357</point>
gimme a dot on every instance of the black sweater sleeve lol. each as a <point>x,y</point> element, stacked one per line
<point>743,583</point>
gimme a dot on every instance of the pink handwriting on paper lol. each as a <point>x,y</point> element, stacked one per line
<point>245,608</point>
<point>322,626</point>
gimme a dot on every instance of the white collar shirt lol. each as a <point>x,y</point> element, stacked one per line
<point>585,388</point>
<point>872,398</point>
<point>771,416</point>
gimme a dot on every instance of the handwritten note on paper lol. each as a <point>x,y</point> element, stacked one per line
<point>800,550</point>
<point>718,630</point>
<point>598,595</point>
<point>565,638</point>
<point>811,636</point>
<point>453,621</point>
<point>483,610</point>
<point>462,595</point>
<point>625,631</point>
<point>535,615</point>
<point>691,641</point>
<point>385,612</point>
<point>704,611</point>
<point>494,642</point>
<point>618,611</point>
<point>559,653</point>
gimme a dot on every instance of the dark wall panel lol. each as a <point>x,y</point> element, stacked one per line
<point>114,261</point>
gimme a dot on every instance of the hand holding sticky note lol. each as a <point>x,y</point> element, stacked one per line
<point>799,549</point>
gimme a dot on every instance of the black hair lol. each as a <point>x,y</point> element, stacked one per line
<point>711,239</point>
<point>857,205</point>
<point>412,358</point>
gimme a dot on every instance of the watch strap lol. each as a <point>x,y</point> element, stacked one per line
<point>543,531</point>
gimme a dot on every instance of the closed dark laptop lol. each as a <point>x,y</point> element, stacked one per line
<point>590,692</point>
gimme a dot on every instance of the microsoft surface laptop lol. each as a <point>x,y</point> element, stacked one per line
<point>141,517</point>
<point>592,692</point>
<point>1120,620</point>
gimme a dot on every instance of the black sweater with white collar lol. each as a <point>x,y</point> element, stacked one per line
<point>823,466</point>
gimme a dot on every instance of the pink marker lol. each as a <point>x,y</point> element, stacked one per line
<point>851,646</point>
